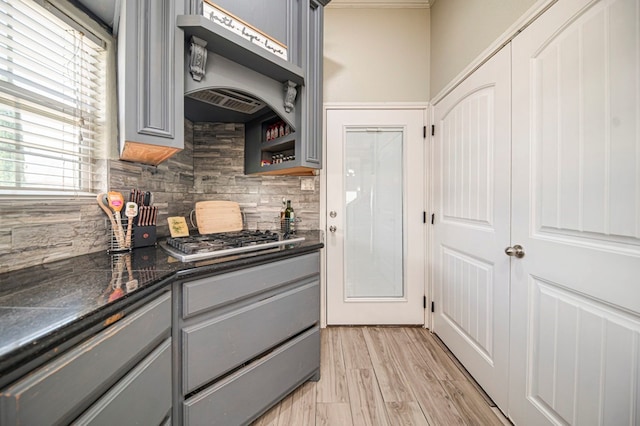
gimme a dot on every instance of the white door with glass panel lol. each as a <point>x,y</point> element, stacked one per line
<point>375,202</point>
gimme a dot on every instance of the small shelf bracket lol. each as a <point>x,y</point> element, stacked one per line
<point>197,58</point>
<point>290,93</point>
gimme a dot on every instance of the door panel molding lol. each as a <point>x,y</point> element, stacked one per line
<point>579,350</point>
<point>467,159</point>
<point>471,287</point>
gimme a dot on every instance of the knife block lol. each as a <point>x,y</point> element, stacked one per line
<point>143,236</point>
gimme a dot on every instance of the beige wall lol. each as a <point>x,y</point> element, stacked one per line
<point>462,29</point>
<point>376,55</point>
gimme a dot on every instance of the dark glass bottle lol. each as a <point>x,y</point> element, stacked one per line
<point>289,219</point>
<point>283,226</point>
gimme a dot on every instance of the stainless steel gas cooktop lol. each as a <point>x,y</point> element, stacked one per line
<point>199,247</point>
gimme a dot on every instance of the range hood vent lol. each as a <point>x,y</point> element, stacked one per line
<point>228,99</point>
<point>230,79</point>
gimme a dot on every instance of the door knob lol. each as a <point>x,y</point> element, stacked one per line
<point>517,251</point>
<point>332,228</point>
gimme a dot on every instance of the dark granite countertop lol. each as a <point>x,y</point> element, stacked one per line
<point>48,308</point>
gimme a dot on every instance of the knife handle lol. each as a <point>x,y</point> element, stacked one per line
<point>144,216</point>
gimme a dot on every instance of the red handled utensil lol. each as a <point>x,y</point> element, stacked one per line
<point>116,203</point>
<point>103,202</point>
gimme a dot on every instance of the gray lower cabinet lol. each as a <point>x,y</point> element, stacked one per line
<point>221,351</point>
<point>125,371</point>
<point>246,339</point>
<point>142,397</point>
<point>240,397</point>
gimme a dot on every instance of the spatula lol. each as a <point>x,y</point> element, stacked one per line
<point>131,211</point>
<point>103,202</point>
<point>116,203</point>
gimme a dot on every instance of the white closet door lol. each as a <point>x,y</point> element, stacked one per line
<point>575,325</point>
<point>471,199</point>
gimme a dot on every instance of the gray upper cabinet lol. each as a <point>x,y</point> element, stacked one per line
<point>312,93</point>
<point>299,152</point>
<point>150,84</point>
<point>243,82</point>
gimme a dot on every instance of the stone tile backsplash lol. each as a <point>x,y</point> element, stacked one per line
<point>218,159</point>
<point>211,167</point>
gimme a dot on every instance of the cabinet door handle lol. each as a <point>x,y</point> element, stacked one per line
<point>332,228</point>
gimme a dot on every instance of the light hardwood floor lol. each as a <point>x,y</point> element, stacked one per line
<point>385,376</point>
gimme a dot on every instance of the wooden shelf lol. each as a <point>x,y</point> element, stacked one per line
<point>283,169</point>
<point>280,144</point>
<point>237,49</point>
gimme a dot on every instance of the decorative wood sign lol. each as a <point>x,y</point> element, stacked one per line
<point>225,19</point>
<point>178,226</point>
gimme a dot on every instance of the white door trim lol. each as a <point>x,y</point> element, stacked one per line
<point>425,106</point>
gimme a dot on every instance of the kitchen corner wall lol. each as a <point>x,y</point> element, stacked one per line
<point>462,29</point>
<point>211,167</point>
<point>218,163</point>
<point>375,55</point>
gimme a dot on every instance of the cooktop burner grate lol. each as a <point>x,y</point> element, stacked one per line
<point>197,247</point>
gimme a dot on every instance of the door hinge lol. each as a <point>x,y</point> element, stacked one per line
<point>433,218</point>
<point>433,306</point>
<point>424,302</point>
<point>433,130</point>
<point>424,132</point>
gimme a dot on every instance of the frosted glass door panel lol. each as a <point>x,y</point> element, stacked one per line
<point>376,238</point>
<point>374,213</point>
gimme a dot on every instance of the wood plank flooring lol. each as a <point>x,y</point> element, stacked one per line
<point>385,376</point>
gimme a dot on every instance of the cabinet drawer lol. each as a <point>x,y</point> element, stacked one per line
<point>142,397</point>
<point>207,293</point>
<point>214,347</point>
<point>58,391</point>
<point>242,396</point>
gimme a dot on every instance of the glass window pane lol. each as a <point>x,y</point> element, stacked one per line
<point>374,213</point>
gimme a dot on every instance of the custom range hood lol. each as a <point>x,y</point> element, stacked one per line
<point>219,77</point>
<point>229,79</point>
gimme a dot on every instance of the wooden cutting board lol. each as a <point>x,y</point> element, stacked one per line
<point>218,216</point>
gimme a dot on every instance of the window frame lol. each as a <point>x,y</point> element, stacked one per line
<point>81,21</point>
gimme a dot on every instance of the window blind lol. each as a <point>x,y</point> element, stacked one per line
<point>51,103</point>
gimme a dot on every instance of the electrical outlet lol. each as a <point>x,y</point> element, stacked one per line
<point>306,184</point>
